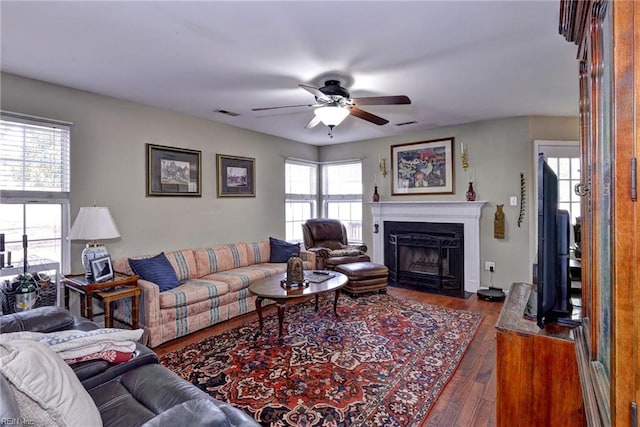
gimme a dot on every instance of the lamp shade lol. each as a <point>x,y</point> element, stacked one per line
<point>94,223</point>
<point>331,115</point>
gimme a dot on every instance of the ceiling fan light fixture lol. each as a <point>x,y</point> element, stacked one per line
<point>331,115</point>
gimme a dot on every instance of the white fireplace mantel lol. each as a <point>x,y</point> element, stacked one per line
<point>467,213</point>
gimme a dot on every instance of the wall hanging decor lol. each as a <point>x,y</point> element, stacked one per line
<point>522,194</point>
<point>498,223</point>
<point>173,171</point>
<point>424,167</point>
<point>236,176</point>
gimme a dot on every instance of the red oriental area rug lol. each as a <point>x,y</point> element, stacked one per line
<point>382,361</point>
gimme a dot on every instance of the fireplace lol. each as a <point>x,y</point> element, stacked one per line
<point>426,256</point>
<point>455,213</point>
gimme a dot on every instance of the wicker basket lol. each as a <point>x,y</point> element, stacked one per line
<point>46,296</point>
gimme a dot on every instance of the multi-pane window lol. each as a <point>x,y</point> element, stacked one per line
<point>342,196</point>
<point>301,195</point>
<point>563,157</point>
<point>568,171</point>
<point>34,187</point>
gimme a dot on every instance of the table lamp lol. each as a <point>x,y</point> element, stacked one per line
<point>93,224</point>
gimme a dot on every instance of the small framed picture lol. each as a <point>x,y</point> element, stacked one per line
<point>173,171</point>
<point>236,176</point>
<point>102,269</point>
<point>424,167</point>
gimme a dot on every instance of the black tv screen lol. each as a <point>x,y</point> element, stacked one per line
<point>553,290</point>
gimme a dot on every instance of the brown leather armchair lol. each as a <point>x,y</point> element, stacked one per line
<point>327,238</point>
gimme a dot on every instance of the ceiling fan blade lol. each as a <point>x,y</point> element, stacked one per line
<point>361,114</point>
<point>283,106</point>
<point>315,121</point>
<point>315,92</point>
<point>382,100</point>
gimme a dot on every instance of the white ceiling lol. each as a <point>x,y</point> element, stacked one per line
<point>458,61</point>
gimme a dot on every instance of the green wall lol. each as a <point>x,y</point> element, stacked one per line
<point>108,169</point>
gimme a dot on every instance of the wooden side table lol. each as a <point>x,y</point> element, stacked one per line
<point>120,287</point>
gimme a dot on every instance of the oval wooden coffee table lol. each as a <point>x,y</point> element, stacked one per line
<point>271,288</point>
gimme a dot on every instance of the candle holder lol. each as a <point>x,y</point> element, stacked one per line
<point>464,157</point>
<point>382,165</point>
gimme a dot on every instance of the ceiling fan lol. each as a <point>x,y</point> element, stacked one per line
<point>335,104</point>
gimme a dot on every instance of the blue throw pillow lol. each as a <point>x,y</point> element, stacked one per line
<point>281,251</point>
<point>157,270</point>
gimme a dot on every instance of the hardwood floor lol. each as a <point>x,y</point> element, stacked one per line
<point>470,397</point>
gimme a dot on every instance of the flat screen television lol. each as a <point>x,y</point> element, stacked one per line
<point>553,278</point>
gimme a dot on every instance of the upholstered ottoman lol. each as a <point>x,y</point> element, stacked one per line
<point>364,277</point>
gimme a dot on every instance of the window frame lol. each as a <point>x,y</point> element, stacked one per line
<point>552,149</point>
<point>321,199</point>
<point>292,198</point>
<point>32,197</point>
<point>326,199</point>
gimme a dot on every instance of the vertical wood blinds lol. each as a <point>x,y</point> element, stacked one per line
<point>34,154</point>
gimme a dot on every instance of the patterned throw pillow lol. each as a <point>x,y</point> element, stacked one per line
<point>157,270</point>
<point>345,252</point>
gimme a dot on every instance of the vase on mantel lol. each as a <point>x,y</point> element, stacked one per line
<point>376,196</point>
<point>471,193</point>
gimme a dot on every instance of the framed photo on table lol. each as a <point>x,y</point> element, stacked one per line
<point>424,167</point>
<point>101,269</point>
<point>236,176</point>
<point>173,171</point>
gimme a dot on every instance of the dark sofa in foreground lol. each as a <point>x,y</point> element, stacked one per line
<point>133,393</point>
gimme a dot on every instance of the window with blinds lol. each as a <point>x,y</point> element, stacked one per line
<point>301,195</point>
<point>34,156</point>
<point>342,196</point>
<point>34,188</point>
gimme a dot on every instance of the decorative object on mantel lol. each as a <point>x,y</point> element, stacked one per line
<point>522,194</point>
<point>295,274</point>
<point>498,223</point>
<point>471,193</point>
<point>424,167</point>
<point>464,157</point>
<point>376,196</point>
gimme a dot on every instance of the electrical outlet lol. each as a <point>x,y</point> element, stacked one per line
<point>513,201</point>
<point>490,266</point>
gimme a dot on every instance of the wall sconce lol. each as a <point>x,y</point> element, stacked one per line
<point>382,165</point>
<point>464,157</point>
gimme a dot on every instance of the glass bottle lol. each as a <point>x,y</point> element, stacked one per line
<point>471,193</point>
<point>376,196</point>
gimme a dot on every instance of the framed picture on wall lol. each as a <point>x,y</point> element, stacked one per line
<point>424,167</point>
<point>236,176</point>
<point>173,171</point>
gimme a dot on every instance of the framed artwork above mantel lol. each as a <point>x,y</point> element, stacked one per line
<point>423,167</point>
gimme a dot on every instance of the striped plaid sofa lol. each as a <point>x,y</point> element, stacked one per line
<point>214,288</point>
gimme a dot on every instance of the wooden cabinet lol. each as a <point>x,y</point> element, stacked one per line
<point>607,35</point>
<point>537,375</point>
